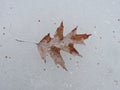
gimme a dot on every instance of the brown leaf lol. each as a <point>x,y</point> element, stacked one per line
<point>60,42</point>
<point>55,54</point>
<point>59,32</point>
<point>72,50</point>
<point>80,36</point>
<point>43,52</point>
<point>73,32</point>
<point>46,39</point>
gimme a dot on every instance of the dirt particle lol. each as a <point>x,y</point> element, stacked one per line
<point>119,19</point>
<point>9,57</point>
<point>55,23</point>
<point>4,28</point>
<point>57,66</point>
<point>100,37</point>
<point>94,26</point>
<point>44,69</point>
<point>38,20</point>
<point>98,63</point>
<point>70,58</point>
<point>6,56</point>
<point>3,33</point>
<point>113,31</point>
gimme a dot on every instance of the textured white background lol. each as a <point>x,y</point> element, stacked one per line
<point>21,67</point>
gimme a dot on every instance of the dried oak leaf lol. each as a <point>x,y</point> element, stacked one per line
<point>60,42</point>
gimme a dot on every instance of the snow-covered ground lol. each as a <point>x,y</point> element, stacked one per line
<point>21,67</point>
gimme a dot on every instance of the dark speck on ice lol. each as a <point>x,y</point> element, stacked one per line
<point>38,20</point>
<point>6,56</point>
<point>44,69</point>
<point>3,27</point>
<point>3,33</point>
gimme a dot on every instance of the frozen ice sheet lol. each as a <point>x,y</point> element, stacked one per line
<point>21,67</point>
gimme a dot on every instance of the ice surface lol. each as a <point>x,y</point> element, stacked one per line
<point>21,67</point>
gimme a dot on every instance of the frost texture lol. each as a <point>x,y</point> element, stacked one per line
<point>60,42</point>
